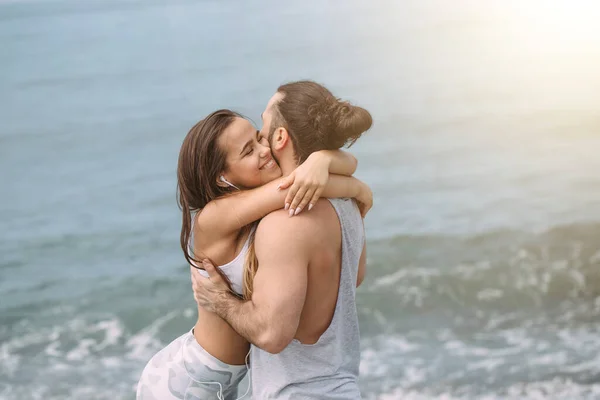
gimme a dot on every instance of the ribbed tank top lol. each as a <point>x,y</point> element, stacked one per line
<point>327,369</point>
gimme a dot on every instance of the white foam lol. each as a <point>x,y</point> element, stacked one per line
<point>488,364</point>
<point>556,389</point>
<point>413,375</point>
<point>111,362</point>
<point>114,331</point>
<point>402,344</point>
<point>371,364</point>
<point>388,280</point>
<point>496,320</point>
<point>81,351</point>
<point>559,389</point>
<point>489,294</point>
<point>144,344</point>
<point>9,362</point>
<point>595,258</point>
<point>409,272</point>
<point>552,359</point>
<point>403,394</point>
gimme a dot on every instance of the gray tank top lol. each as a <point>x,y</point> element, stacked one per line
<point>328,369</point>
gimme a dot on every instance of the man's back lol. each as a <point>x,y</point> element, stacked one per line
<point>322,360</point>
<point>323,272</point>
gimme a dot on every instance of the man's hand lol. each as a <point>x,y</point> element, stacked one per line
<point>270,319</point>
<point>209,292</point>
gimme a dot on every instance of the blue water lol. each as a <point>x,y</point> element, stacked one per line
<point>484,241</point>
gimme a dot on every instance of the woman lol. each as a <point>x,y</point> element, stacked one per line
<point>227,180</point>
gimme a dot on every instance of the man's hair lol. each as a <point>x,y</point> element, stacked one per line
<point>316,119</point>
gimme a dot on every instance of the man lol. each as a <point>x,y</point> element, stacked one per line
<point>302,316</point>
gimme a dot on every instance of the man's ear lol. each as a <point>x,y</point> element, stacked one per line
<point>280,139</point>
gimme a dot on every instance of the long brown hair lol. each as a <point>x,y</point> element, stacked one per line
<point>250,267</point>
<point>201,160</point>
<point>315,120</point>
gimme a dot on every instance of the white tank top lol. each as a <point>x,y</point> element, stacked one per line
<point>234,269</point>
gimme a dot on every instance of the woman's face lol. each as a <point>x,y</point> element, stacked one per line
<point>248,156</point>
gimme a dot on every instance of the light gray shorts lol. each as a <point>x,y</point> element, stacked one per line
<point>185,371</point>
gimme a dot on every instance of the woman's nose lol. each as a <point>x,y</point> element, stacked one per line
<point>264,151</point>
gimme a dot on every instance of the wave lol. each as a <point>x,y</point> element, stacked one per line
<point>486,282</point>
<point>507,364</point>
<point>562,263</point>
<point>82,356</point>
<point>555,389</point>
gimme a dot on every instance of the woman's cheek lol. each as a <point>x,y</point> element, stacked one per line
<point>252,167</point>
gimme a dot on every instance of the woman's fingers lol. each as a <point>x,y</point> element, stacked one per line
<point>286,182</point>
<point>304,201</point>
<point>297,199</point>
<point>316,196</point>
<point>290,195</point>
<point>364,208</point>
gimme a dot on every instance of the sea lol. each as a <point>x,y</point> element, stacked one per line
<point>483,270</point>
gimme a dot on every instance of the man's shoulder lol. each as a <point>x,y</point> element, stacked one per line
<point>273,219</point>
<point>279,222</point>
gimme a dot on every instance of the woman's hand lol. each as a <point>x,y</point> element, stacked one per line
<point>307,183</point>
<point>364,199</point>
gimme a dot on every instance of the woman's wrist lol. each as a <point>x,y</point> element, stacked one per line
<point>362,188</point>
<point>322,157</point>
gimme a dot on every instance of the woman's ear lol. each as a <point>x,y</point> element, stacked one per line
<point>221,181</point>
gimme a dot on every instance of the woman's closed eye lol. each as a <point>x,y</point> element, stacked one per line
<point>261,138</point>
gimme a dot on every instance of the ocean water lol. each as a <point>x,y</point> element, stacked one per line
<point>483,274</point>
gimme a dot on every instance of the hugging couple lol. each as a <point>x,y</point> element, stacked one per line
<point>273,231</point>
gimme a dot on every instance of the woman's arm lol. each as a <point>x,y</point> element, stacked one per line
<point>362,266</point>
<point>340,162</point>
<point>308,178</point>
<point>347,186</point>
<point>227,215</point>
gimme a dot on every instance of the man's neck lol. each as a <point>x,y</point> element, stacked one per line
<point>287,163</point>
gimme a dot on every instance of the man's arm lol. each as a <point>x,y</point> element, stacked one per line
<point>270,319</point>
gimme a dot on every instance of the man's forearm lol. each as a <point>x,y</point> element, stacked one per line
<point>242,317</point>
